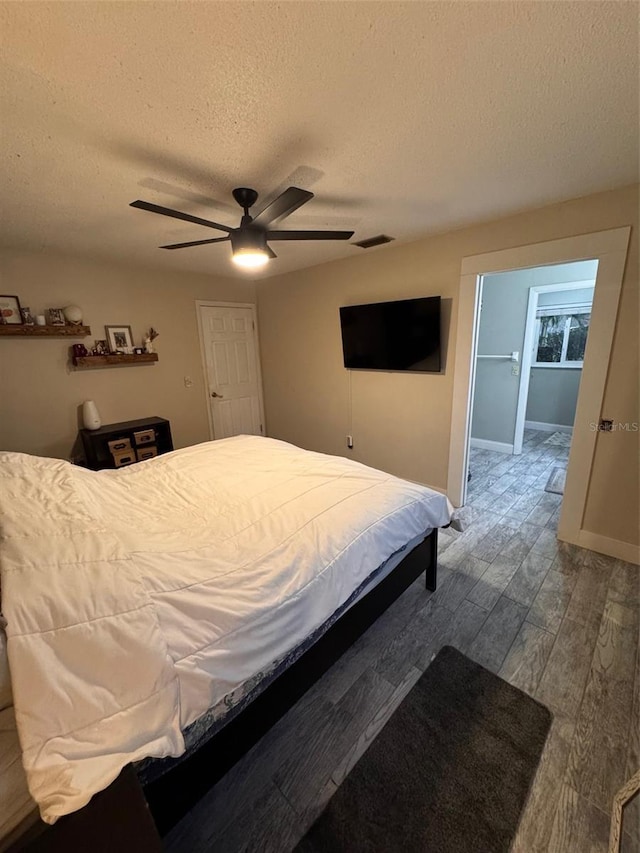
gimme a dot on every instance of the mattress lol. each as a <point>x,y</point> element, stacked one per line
<point>214,719</point>
<point>16,803</point>
<point>138,599</point>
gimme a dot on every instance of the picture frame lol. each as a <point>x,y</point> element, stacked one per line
<point>119,338</point>
<point>56,317</point>
<point>27,316</point>
<point>10,311</point>
<point>100,347</point>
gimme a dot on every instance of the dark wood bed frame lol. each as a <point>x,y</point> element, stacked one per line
<point>127,817</point>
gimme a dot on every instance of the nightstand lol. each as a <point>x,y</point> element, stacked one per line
<point>122,444</point>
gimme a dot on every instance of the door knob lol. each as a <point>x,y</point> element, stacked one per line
<point>214,394</point>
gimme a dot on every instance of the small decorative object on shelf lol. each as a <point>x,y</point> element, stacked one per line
<point>73,315</point>
<point>41,320</point>
<point>56,317</point>
<point>100,348</point>
<point>27,316</point>
<point>10,310</point>
<point>152,334</point>
<point>119,338</point>
<point>90,415</point>
<point>80,351</point>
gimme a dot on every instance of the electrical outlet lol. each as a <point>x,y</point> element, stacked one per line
<point>350,442</point>
<point>515,370</point>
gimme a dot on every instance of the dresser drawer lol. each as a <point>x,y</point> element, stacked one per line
<point>146,453</point>
<point>124,457</point>
<point>144,436</point>
<point>119,444</point>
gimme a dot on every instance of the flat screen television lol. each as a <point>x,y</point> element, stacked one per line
<point>400,335</point>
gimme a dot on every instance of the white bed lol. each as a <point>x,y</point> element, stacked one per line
<point>137,599</point>
<point>16,804</point>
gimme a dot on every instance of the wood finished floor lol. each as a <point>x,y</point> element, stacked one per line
<point>559,622</point>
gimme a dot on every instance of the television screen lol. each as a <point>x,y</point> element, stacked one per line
<point>401,335</point>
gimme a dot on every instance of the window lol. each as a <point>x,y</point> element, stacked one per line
<point>561,335</point>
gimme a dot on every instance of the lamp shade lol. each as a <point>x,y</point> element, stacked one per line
<point>249,247</point>
<point>90,415</point>
<point>250,258</point>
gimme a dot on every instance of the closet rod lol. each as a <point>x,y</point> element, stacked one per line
<point>512,356</point>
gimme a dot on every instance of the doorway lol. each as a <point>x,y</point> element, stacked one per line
<point>609,249</point>
<point>532,334</point>
<point>556,334</point>
<point>229,346</point>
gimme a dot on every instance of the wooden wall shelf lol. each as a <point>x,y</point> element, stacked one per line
<point>21,330</point>
<point>88,362</point>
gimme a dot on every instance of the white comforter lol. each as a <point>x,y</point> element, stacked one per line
<point>137,599</point>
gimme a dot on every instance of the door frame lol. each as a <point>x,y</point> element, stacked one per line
<point>527,352</point>
<point>610,249</point>
<point>207,303</point>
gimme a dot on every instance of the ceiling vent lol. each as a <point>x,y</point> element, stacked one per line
<point>374,241</point>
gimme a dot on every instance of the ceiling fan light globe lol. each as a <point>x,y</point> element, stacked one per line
<point>250,258</point>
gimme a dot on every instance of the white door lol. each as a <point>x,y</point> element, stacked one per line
<point>229,345</point>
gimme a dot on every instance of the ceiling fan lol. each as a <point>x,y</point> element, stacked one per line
<point>249,239</point>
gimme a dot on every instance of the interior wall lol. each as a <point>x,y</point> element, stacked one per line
<point>401,422</point>
<point>503,318</point>
<point>553,395</point>
<point>41,392</point>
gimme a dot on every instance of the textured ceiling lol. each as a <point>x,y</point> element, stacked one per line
<point>402,118</point>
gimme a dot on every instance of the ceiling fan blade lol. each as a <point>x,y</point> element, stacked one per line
<point>271,253</point>
<point>309,235</point>
<point>176,214</point>
<point>195,243</point>
<point>288,201</point>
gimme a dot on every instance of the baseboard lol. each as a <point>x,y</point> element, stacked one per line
<point>485,444</point>
<point>611,547</point>
<point>547,427</point>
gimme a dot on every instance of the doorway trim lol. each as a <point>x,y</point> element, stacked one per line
<point>527,352</point>
<point>207,303</point>
<point>610,249</point>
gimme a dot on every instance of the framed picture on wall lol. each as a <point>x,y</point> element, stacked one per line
<point>119,338</point>
<point>10,310</point>
<point>56,317</point>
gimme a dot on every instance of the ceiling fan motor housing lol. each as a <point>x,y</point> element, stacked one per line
<point>249,237</point>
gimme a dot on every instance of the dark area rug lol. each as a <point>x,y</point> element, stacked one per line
<point>556,481</point>
<point>449,773</point>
